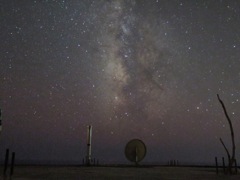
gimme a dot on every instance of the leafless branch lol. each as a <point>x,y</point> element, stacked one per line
<point>231,158</point>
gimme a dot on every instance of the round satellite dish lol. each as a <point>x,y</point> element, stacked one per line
<point>135,150</point>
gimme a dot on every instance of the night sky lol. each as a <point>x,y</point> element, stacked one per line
<point>130,68</point>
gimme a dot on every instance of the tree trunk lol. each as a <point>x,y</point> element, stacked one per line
<point>231,158</point>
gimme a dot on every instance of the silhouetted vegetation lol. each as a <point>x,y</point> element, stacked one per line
<point>231,157</point>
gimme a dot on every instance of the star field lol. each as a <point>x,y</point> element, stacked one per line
<point>132,69</point>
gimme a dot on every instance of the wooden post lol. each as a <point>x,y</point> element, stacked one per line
<point>6,162</point>
<point>223,161</point>
<point>216,162</point>
<point>12,164</point>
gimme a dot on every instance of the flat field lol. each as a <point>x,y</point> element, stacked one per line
<point>116,173</point>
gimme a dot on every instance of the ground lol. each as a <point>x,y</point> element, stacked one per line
<point>117,173</point>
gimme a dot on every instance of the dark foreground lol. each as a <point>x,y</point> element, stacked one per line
<point>116,173</point>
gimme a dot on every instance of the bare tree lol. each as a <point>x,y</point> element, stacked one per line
<point>231,158</point>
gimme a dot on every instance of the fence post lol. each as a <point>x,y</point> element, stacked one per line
<point>12,164</point>
<point>6,162</point>
<point>223,161</point>
<point>216,162</point>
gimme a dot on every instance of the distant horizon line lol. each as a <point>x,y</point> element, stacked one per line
<point>112,163</point>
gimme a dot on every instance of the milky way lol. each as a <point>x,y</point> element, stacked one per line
<point>132,69</point>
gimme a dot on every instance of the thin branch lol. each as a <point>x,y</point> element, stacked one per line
<point>225,148</point>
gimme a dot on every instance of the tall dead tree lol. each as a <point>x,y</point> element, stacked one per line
<point>231,158</point>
